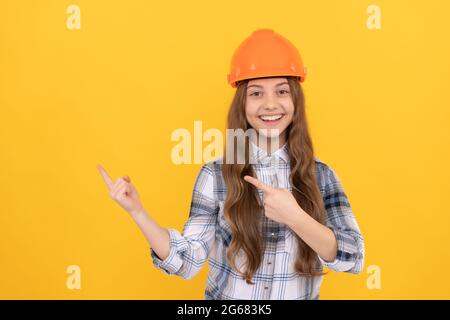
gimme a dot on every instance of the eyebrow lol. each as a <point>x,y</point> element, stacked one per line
<point>257,85</point>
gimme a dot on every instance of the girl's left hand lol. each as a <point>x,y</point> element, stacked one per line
<point>279,204</point>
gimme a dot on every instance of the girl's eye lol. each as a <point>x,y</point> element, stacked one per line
<point>257,93</point>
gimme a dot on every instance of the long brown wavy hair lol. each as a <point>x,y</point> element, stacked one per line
<point>243,210</point>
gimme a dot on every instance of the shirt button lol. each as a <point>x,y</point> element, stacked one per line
<point>273,234</point>
<point>265,288</point>
<point>269,262</point>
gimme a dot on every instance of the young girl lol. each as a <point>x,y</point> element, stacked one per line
<point>267,225</point>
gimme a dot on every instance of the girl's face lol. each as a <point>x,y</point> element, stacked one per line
<point>269,106</point>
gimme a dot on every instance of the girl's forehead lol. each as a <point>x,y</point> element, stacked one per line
<point>267,81</point>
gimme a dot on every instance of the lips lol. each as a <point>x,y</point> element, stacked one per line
<point>271,118</point>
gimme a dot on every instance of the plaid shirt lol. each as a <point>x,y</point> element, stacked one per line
<point>207,234</point>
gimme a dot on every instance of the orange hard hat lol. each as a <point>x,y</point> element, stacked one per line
<point>265,54</point>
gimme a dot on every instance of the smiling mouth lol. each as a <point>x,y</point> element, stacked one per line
<point>271,118</point>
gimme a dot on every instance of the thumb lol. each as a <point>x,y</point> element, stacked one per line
<point>127,179</point>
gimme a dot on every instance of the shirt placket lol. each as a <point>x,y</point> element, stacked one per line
<point>270,164</point>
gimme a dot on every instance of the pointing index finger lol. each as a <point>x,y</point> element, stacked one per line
<point>105,176</point>
<point>257,183</point>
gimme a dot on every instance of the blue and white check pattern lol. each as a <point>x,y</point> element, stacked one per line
<point>206,234</point>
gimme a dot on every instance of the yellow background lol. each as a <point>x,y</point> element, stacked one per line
<point>112,93</point>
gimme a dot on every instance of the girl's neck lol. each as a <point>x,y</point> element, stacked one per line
<point>266,143</point>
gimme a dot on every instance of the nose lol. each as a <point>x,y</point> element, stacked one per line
<point>269,109</point>
<point>270,102</point>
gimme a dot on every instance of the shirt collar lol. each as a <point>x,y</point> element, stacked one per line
<point>261,155</point>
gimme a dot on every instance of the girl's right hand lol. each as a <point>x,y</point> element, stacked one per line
<point>123,192</point>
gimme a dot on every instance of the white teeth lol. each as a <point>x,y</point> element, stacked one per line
<point>274,117</point>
